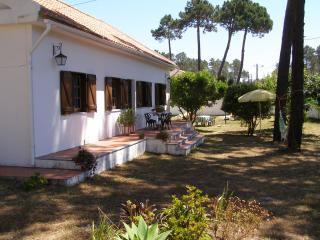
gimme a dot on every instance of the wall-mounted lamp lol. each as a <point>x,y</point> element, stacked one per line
<point>60,58</point>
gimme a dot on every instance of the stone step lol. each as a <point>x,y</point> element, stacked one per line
<point>183,138</point>
<point>185,147</point>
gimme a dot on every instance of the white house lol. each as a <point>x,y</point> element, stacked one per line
<point>46,107</point>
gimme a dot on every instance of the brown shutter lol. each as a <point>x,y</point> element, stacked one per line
<point>108,94</point>
<point>91,93</point>
<point>139,93</point>
<point>66,93</point>
<point>156,92</point>
<point>125,93</point>
<point>149,94</point>
<point>164,94</point>
<point>129,83</point>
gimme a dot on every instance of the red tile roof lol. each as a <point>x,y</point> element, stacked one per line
<point>59,11</point>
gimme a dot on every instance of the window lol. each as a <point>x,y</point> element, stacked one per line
<point>144,94</point>
<point>160,94</point>
<point>77,92</point>
<point>117,93</point>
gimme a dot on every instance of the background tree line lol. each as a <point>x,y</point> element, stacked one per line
<point>229,72</point>
<point>312,59</point>
<point>234,16</point>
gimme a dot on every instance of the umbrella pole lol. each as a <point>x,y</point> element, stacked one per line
<point>260,115</point>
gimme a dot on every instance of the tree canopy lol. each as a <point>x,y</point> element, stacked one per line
<point>190,91</point>
<point>255,20</point>
<point>198,14</point>
<point>229,17</point>
<point>312,59</point>
<point>168,29</point>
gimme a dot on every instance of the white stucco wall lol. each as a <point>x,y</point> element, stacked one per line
<point>15,100</point>
<point>313,113</point>
<point>215,109</point>
<point>54,132</point>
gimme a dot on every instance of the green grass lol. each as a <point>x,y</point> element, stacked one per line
<point>288,184</point>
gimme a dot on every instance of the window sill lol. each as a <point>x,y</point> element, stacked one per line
<point>114,111</point>
<point>144,107</point>
<point>77,114</point>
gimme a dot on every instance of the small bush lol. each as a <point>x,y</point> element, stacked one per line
<point>105,230</point>
<point>163,135</point>
<point>131,212</point>
<point>34,182</point>
<point>141,136</point>
<point>86,160</point>
<point>187,217</point>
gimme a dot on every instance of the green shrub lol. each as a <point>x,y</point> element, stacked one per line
<point>141,136</point>
<point>105,230</point>
<point>190,91</point>
<point>163,135</point>
<point>268,83</point>
<point>127,117</point>
<point>188,217</point>
<point>143,232</point>
<point>34,182</point>
<point>131,212</point>
<point>247,112</point>
<point>86,160</point>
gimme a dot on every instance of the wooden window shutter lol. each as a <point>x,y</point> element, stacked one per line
<point>163,94</point>
<point>156,92</point>
<point>125,93</point>
<point>91,93</point>
<point>149,94</point>
<point>108,94</point>
<point>139,94</point>
<point>129,84</point>
<point>66,96</point>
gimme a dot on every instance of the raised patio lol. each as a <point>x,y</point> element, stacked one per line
<point>60,168</point>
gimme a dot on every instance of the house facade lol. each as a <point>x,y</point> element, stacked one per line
<point>46,107</point>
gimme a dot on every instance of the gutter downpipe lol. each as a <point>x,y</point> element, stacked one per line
<point>33,48</point>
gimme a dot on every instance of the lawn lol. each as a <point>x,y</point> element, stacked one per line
<point>288,184</point>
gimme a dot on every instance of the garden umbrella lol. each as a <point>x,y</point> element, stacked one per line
<point>258,95</point>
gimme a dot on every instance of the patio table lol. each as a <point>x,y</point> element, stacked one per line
<point>205,120</point>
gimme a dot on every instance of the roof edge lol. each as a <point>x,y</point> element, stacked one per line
<point>107,43</point>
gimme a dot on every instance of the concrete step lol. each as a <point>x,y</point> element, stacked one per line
<point>185,147</point>
<point>183,138</point>
<point>57,164</point>
<point>55,176</point>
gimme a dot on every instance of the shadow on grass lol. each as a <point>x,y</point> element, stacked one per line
<point>255,168</point>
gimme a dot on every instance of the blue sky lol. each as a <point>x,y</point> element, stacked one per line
<point>137,18</point>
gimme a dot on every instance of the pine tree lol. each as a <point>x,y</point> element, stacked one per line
<point>198,14</point>
<point>168,29</point>
<point>283,72</point>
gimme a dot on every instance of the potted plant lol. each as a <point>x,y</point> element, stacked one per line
<point>127,121</point>
<point>159,109</point>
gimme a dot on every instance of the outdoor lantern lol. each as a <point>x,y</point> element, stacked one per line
<point>60,58</point>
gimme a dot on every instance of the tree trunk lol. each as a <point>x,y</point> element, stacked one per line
<point>199,48</point>
<point>225,54</point>
<point>297,78</point>
<point>242,55</point>
<point>283,72</point>
<point>170,54</point>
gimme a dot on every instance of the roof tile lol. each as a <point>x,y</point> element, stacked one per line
<point>66,14</point>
